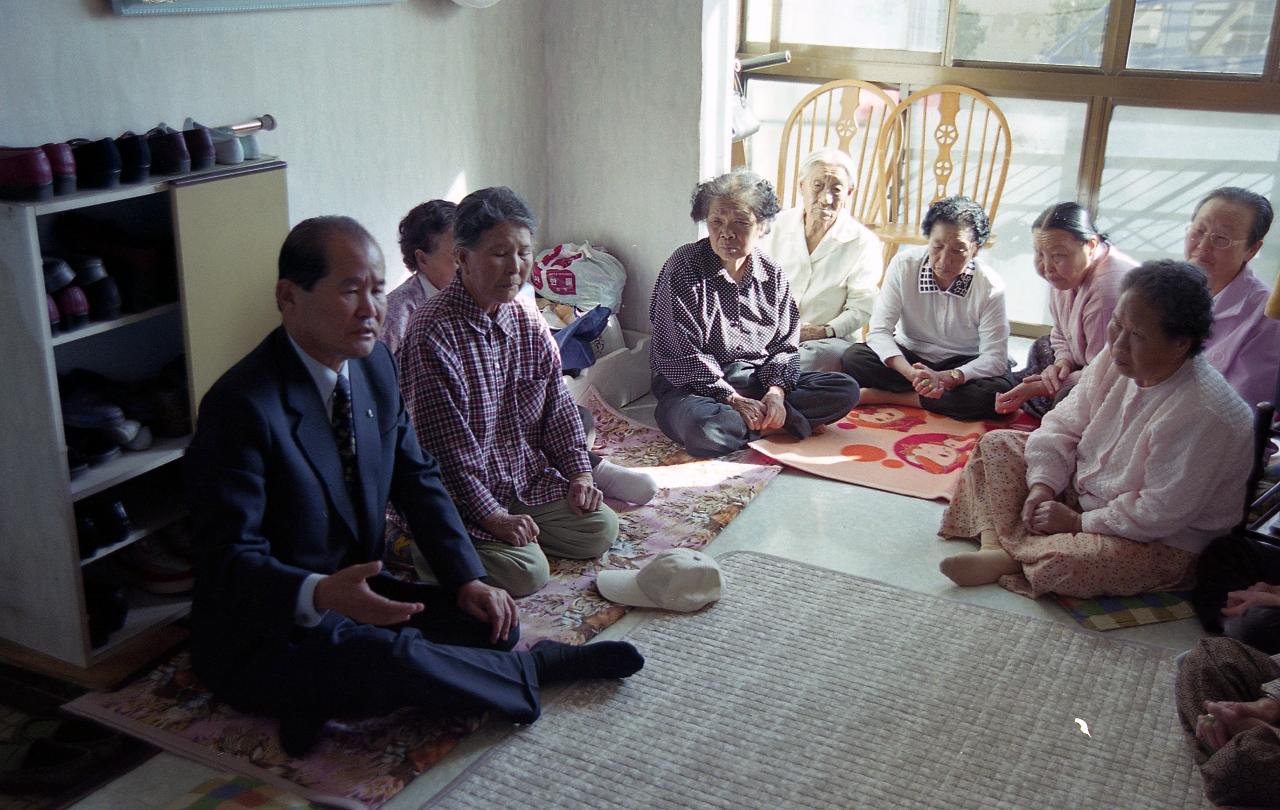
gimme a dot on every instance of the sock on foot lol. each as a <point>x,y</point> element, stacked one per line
<point>556,661</point>
<point>974,568</point>
<point>623,483</point>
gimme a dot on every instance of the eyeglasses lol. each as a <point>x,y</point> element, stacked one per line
<point>1218,241</point>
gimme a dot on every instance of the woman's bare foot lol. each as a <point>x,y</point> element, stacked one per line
<point>979,567</point>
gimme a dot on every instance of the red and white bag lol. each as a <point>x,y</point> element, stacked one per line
<point>580,275</point>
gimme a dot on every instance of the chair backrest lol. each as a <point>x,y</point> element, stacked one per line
<point>938,142</point>
<point>847,115</point>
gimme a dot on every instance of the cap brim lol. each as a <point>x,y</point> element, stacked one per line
<point>622,587</point>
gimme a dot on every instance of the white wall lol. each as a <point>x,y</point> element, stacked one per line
<point>380,107</point>
<point>623,109</point>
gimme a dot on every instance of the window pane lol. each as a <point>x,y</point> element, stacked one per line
<point>771,101</point>
<point>1042,32</point>
<point>1161,162</point>
<point>1045,161</point>
<point>1208,36</point>
<point>911,25</point>
<point>759,18</point>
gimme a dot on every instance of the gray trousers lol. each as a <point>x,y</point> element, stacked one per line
<point>708,427</point>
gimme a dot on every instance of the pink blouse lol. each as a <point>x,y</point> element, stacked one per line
<point>1245,345</point>
<point>1080,316</point>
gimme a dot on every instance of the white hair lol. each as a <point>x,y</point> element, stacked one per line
<point>829,157</point>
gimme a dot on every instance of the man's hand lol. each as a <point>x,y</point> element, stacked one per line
<point>812,331</point>
<point>346,592</point>
<point>514,530</point>
<point>583,495</point>
<point>1055,376</point>
<point>775,409</point>
<point>751,410</point>
<point>492,605</point>
<point>1038,495</point>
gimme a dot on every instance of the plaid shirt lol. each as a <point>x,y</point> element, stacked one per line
<point>488,401</point>
<point>703,321</point>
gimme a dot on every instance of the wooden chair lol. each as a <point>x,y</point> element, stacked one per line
<point>938,142</point>
<point>853,127</point>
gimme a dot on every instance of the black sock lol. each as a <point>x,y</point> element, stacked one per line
<point>568,662</point>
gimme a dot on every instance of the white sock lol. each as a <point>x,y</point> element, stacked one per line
<point>624,483</point>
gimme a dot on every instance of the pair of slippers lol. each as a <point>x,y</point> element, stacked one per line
<point>53,753</point>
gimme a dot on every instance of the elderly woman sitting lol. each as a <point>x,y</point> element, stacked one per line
<point>1084,272</point>
<point>725,328</point>
<point>939,336</point>
<point>1098,501</point>
<point>1226,231</point>
<point>1228,697</point>
<point>832,261</point>
<point>426,245</point>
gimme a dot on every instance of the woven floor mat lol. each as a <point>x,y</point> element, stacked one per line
<point>809,688</point>
<point>1115,612</point>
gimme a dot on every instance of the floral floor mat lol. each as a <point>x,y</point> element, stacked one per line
<point>899,449</point>
<point>363,762</point>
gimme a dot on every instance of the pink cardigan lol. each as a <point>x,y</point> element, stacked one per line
<point>1166,463</point>
<point>1080,316</point>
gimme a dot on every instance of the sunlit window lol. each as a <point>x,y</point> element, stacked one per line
<point>1048,32</point>
<point>1161,162</point>
<point>910,25</point>
<point>1209,36</point>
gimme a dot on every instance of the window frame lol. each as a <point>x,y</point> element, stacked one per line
<point>1101,89</point>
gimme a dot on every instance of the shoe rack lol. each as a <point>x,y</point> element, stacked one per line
<point>227,224</point>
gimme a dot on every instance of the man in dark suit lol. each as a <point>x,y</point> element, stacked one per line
<point>297,451</point>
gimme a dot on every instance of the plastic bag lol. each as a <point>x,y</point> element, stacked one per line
<point>580,275</point>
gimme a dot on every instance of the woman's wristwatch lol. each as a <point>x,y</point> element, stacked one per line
<point>955,377</point>
<point>828,331</point>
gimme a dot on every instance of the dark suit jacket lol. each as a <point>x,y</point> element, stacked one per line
<point>269,507</point>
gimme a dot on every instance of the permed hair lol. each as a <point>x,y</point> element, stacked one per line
<point>421,227</point>
<point>1069,217</point>
<point>487,208</point>
<point>740,186</point>
<point>961,212</point>
<point>1179,291</point>
<point>304,256</point>
<point>1262,213</point>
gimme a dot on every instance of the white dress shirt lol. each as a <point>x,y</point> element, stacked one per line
<point>836,285</point>
<point>968,318</point>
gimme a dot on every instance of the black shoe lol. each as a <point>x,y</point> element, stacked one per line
<point>135,158</point>
<point>112,522</point>
<point>87,535</point>
<point>43,765</point>
<point>107,607</point>
<point>299,732</point>
<point>169,153</point>
<point>97,163</point>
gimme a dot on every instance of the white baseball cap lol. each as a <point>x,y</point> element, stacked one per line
<point>676,579</point>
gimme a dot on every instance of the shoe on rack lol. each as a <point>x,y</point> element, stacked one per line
<point>135,158</point>
<point>73,307</point>
<point>107,606</point>
<point>169,153</point>
<point>228,148</point>
<point>77,465</point>
<point>112,522</point>
<point>148,565</point>
<point>97,162</point>
<point>57,274</point>
<point>142,441</point>
<point>101,289</point>
<point>63,163</point>
<point>87,535</point>
<point>85,402</point>
<point>54,318</point>
<point>200,147</point>
<point>25,174</point>
<point>92,446</point>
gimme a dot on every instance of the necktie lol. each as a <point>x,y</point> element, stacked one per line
<point>344,433</point>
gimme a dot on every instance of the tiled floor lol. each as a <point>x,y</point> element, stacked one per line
<point>846,528</point>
